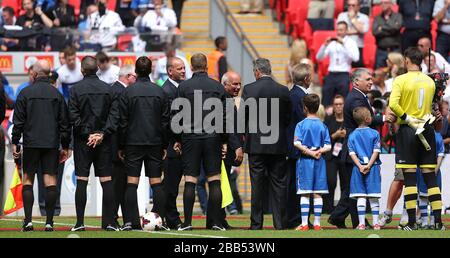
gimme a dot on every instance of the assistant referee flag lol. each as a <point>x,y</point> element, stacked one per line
<point>14,199</point>
<point>227,196</point>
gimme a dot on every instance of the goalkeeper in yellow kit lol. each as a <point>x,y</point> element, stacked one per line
<point>411,100</point>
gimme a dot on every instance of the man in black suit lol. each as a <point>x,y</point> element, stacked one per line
<point>301,75</point>
<point>127,76</point>
<point>173,165</point>
<point>266,149</point>
<point>362,83</point>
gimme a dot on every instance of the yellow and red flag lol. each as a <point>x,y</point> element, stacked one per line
<point>14,199</point>
<point>227,196</point>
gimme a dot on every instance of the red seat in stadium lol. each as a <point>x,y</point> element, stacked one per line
<point>369,53</point>
<point>76,5</point>
<point>123,41</point>
<point>15,4</point>
<point>296,14</point>
<point>318,38</point>
<point>112,5</point>
<point>280,8</point>
<point>338,7</point>
<point>434,27</point>
<point>307,33</point>
<point>376,10</point>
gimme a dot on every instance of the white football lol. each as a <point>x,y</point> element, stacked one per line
<point>150,221</point>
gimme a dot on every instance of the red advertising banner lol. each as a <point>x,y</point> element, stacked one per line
<point>6,63</point>
<point>29,60</point>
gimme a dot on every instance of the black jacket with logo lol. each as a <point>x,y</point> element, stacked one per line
<point>144,114</point>
<point>41,116</point>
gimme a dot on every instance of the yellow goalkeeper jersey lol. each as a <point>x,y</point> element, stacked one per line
<point>412,93</point>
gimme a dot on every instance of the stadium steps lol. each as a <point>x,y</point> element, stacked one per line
<point>264,34</point>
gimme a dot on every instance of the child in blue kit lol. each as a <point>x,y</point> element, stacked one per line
<point>312,138</point>
<point>422,187</point>
<point>365,183</point>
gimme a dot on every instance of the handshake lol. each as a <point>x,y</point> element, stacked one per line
<point>418,124</point>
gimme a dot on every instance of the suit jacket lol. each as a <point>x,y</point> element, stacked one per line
<point>235,141</point>
<point>356,99</point>
<point>267,88</point>
<point>171,92</point>
<point>296,95</point>
<point>117,90</point>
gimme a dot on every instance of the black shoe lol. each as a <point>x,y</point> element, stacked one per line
<point>184,227</point>
<point>439,226</point>
<point>368,226</point>
<point>227,226</point>
<point>218,228</point>
<point>163,227</point>
<point>27,227</point>
<point>49,227</point>
<point>408,227</point>
<point>126,227</point>
<point>112,228</point>
<point>78,228</point>
<point>337,223</point>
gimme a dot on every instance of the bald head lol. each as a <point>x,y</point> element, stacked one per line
<point>424,44</point>
<point>89,66</point>
<point>231,81</point>
<point>176,69</point>
<point>42,68</point>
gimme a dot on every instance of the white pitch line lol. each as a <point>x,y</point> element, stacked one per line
<point>140,231</point>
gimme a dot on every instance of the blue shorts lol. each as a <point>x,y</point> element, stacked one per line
<point>311,176</point>
<point>368,185</point>
<point>422,187</point>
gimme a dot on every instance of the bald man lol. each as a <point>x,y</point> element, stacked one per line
<point>41,118</point>
<point>424,44</point>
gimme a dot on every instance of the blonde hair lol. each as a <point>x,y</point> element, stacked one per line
<point>298,51</point>
<point>321,113</point>
<point>397,59</point>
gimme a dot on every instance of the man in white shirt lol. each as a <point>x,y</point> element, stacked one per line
<point>70,73</point>
<point>342,51</point>
<point>424,45</point>
<point>358,25</point>
<point>107,72</point>
<point>104,25</point>
<point>159,19</point>
<point>160,72</point>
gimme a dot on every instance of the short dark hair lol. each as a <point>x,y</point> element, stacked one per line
<point>199,62</point>
<point>219,40</point>
<point>143,66</point>
<point>338,96</point>
<point>414,54</point>
<point>102,57</point>
<point>9,9</point>
<point>360,114</point>
<point>311,102</point>
<point>342,22</point>
<point>69,51</point>
<point>89,65</point>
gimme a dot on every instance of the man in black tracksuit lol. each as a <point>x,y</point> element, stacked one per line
<point>198,144</point>
<point>94,117</point>
<point>41,117</point>
<point>144,123</point>
<point>173,166</point>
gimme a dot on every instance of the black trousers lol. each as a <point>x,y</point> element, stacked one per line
<point>173,171</point>
<point>346,204</point>
<point>293,217</point>
<point>411,37</point>
<point>42,191</point>
<point>360,62</point>
<point>334,166</point>
<point>443,44</point>
<point>335,83</point>
<point>119,179</point>
<point>177,6</point>
<point>273,169</point>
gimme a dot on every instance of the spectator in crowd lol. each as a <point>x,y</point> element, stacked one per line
<point>64,15</point>
<point>104,25</point>
<point>25,84</point>
<point>379,77</point>
<point>46,5</point>
<point>142,4</point>
<point>107,71</point>
<point>424,44</point>
<point>31,19</point>
<point>342,51</point>
<point>84,6</point>
<point>417,17</point>
<point>160,19</point>
<point>430,62</point>
<point>386,29</point>
<point>252,6</point>
<point>445,131</point>
<point>123,8</point>
<point>441,14</point>
<point>8,18</point>
<point>298,52</point>
<point>160,72</point>
<point>395,66</point>
<point>335,125</point>
<point>61,59</point>
<point>178,8</point>
<point>217,61</point>
<point>69,73</point>
<point>267,162</point>
<point>301,75</point>
<point>358,25</point>
<point>1,13</point>
<point>321,9</point>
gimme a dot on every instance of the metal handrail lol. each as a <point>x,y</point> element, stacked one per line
<point>232,20</point>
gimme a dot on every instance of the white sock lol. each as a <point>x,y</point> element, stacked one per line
<point>404,219</point>
<point>423,206</point>
<point>375,207</point>
<point>304,209</point>
<point>318,204</point>
<point>431,217</point>
<point>361,205</point>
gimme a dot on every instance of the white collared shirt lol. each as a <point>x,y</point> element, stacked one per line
<point>173,82</point>
<point>160,71</point>
<point>123,84</point>
<point>107,25</point>
<point>360,17</point>
<point>341,56</point>
<point>441,63</point>
<point>303,89</point>
<point>154,22</point>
